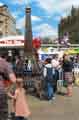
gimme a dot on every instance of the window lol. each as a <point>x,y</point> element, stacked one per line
<point>1,23</point>
<point>1,34</point>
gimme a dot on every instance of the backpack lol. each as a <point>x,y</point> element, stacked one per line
<point>50,73</point>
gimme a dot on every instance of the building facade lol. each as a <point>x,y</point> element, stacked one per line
<point>70,24</point>
<point>7,22</point>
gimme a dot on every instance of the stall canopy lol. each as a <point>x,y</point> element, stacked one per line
<point>77,50</point>
<point>72,51</point>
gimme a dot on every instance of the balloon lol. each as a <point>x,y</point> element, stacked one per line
<point>36,43</point>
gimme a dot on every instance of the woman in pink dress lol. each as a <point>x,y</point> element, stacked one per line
<point>20,103</point>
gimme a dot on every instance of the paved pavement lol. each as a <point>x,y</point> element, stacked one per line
<point>62,108</point>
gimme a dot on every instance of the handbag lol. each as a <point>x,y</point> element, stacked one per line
<point>65,83</point>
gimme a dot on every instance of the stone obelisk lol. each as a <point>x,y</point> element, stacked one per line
<point>28,49</point>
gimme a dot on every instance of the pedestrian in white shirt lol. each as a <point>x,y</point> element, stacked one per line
<point>55,62</point>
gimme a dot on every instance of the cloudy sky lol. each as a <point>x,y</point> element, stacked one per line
<point>46,14</point>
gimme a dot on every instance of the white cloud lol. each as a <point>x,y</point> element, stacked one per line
<point>65,4</point>
<point>18,1</point>
<point>50,7</point>
<point>40,30</point>
<point>64,7</point>
<point>1,4</point>
<point>53,6</point>
<point>35,18</point>
<point>45,30</point>
<point>21,21</point>
<point>15,2</point>
<point>15,14</point>
<point>57,18</point>
<point>46,5</point>
<point>21,2</point>
<point>62,15</point>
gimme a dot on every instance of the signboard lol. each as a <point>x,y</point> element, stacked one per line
<point>11,43</point>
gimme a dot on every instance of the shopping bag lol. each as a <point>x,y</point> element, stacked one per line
<point>77,82</point>
<point>65,83</point>
<point>59,85</point>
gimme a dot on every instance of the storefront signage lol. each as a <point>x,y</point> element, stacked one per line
<point>11,43</point>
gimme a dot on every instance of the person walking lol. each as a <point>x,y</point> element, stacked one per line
<point>6,72</point>
<point>67,67</point>
<point>55,62</point>
<point>49,81</point>
<point>20,102</point>
<point>55,65</point>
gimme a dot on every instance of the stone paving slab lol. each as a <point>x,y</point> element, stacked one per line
<point>62,108</point>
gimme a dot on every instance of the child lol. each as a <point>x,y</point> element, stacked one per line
<point>20,102</point>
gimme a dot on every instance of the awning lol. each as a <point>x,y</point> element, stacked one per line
<point>71,51</point>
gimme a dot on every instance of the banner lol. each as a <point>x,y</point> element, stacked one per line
<point>11,43</point>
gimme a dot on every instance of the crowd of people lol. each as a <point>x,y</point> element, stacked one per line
<point>56,70</point>
<point>14,71</point>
